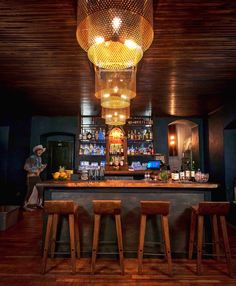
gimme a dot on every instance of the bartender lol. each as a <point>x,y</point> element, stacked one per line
<point>33,166</point>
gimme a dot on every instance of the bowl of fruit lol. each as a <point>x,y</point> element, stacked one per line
<point>61,175</point>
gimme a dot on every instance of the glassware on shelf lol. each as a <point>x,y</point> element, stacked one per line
<point>201,177</point>
<point>147,176</point>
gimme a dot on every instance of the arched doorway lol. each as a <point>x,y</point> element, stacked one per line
<point>60,151</point>
<point>183,143</point>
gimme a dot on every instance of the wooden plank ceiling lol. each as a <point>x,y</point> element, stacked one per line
<point>189,70</point>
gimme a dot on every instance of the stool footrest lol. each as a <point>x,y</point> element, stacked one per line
<point>154,254</point>
<point>108,253</point>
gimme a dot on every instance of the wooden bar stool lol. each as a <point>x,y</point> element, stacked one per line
<point>54,209</point>
<point>107,207</point>
<point>155,208</point>
<point>217,211</point>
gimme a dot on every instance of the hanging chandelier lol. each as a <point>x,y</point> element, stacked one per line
<point>115,88</point>
<point>115,33</point>
<point>115,116</point>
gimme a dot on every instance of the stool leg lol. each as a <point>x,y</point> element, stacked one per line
<point>216,236</point>
<point>72,241</point>
<point>97,219</point>
<point>141,242</point>
<point>165,228</point>
<point>199,243</point>
<point>120,242</point>
<point>54,234</point>
<point>192,234</point>
<point>46,243</point>
<point>77,239</point>
<point>226,244</point>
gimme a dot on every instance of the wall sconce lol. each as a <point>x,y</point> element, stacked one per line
<point>172,140</point>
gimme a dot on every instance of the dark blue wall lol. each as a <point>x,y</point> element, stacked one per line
<point>217,123</point>
<point>4,138</point>
<point>14,188</point>
<point>43,124</point>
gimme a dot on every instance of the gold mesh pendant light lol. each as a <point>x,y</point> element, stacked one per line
<point>115,82</point>
<point>115,116</point>
<point>115,88</point>
<point>115,33</point>
<point>115,101</point>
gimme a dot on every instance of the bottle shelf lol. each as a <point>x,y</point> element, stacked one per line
<point>91,155</point>
<point>92,141</point>
<point>139,140</point>
<point>140,155</point>
<point>140,125</point>
<point>87,125</point>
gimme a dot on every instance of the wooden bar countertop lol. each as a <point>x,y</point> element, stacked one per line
<point>126,184</point>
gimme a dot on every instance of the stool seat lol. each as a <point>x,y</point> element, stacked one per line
<point>155,207</point>
<point>217,211</point>
<point>211,208</point>
<point>107,207</point>
<point>54,209</point>
<point>60,207</point>
<point>161,208</point>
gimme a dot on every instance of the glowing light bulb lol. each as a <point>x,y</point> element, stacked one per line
<point>115,89</point>
<point>123,96</point>
<point>106,95</point>
<point>131,44</point>
<point>99,40</point>
<point>116,23</point>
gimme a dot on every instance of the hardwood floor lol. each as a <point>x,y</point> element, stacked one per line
<point>20,261</point>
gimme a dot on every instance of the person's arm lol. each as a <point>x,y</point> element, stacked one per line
<point>31,166</point>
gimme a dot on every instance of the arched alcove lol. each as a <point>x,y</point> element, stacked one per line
<point>183,143</point>
<point>230,159</point>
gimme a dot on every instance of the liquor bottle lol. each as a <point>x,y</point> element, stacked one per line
<point>139,135</point>
<point>147,135</point>
<point>84,135</point>
<point>188,171</point>
<point>89,136</point>
<point>175,176</point>
<point>132,150</point>
<point>128,135</point>
<point>93,135</point>
<point>100,135</point>
<point>150,135</point>
<point>96,135</point>
<point>111,161</point>
<point>131,135</point>
<point>193,171</point>
<point>181,173</point>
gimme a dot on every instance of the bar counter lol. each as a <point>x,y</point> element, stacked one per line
<point>181,195</point>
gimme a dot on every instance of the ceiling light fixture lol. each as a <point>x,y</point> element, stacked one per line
<point>115,33</point>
